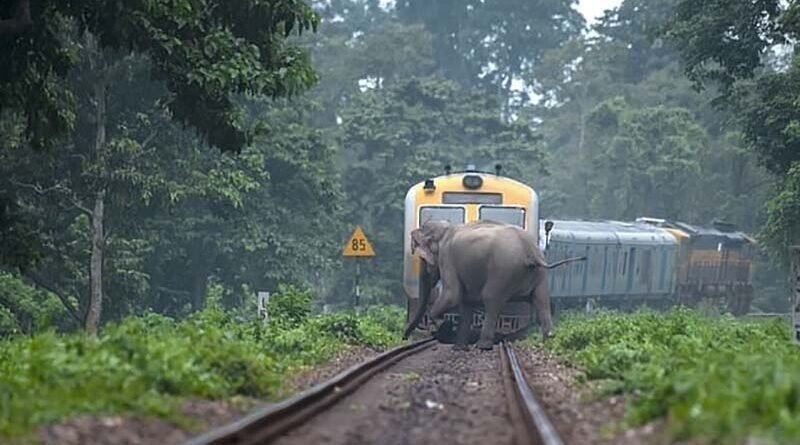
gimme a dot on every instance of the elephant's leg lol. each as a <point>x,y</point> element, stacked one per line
<point>541,300</point>
<point>486,341</point>
<point>493,299</point>
<point>464,325</point>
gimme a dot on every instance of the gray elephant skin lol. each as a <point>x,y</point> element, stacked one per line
<point>482,263</point>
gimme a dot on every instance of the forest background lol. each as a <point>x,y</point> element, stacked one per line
<point>141,166</point>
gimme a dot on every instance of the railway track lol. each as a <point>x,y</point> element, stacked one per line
<point>528,419</point>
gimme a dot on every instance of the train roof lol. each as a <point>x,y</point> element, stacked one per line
<point>712,236</point>
<point>604,232</point>
<point>492,177</point>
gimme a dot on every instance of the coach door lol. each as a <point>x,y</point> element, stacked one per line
<point>605,270</point>
<point>631,270</point>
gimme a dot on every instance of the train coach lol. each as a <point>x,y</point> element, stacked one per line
<point>648,261</point>
<point>626,263</point>
<point>715,264</point>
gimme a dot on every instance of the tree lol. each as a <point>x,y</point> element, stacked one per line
<point>628,58</point>
<point>156,215</point>
<point>727,45</point>
<point>631,34</point>
<point>203,51</point>
<point>648,161</point>
<point>724,41</point>
<point>493,43</point>
<point>363,45</point>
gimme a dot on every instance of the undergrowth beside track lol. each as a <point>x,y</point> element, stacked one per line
<point>714,379</point>
<point>150,363</point>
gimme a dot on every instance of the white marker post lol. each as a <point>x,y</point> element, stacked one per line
<point>794,255</point>
<point>263,301</point>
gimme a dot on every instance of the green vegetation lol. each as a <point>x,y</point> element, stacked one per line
<point>715,379</point>
<point>746,51</point>
<point>148,364</point>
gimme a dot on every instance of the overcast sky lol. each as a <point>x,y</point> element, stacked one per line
<point>593,9</point>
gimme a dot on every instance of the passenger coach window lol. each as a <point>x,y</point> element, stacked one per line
<point>508,215</point>
<point>453,215</point>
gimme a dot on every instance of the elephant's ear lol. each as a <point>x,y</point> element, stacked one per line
<point>422,245</point>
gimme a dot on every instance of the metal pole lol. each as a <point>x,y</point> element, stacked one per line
<point>794,254</point>
<point>358,282</point>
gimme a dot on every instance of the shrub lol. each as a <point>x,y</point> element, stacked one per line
<point>148,364</point>
<point>290,305</point>
<point>25,309</point>
<point>717,379</point>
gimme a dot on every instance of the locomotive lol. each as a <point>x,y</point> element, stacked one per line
<point>648,261</point>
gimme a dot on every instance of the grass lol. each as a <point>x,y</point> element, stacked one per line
<point>149,364</point>
<point>713,379</point>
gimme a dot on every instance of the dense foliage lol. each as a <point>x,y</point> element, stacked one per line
<point>716,379</point>
<point>746,50</point>
<point>148,364</point>
<point>131,210</point>
<point>202,51</point>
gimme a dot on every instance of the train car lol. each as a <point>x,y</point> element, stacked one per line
<point>461,197</point>
<point>626,263</point>
<point>715,264</point>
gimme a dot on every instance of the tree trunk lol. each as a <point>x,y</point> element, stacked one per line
<point>583,156</point>
<point>96,265</point>
<point>94,313</point>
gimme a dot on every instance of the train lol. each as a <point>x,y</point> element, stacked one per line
<point>649,261</point>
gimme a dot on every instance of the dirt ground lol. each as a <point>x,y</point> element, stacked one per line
<point>439,396</point>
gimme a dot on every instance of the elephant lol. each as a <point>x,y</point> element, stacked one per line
<point>482,262</point>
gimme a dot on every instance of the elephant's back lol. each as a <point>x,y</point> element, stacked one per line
<point>482,242</point>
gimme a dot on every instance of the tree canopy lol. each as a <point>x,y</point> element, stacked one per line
<point>746,50</point>
<point>203,51</point>
<point>114,197</point>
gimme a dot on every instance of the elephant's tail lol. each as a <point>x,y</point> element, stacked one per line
<point>566,261</point>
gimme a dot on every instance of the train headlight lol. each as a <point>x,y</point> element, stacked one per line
<point>472,182</point>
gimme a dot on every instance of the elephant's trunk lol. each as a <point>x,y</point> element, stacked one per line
<point>422,308</point>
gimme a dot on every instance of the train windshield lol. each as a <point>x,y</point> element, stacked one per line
<point>453,215</point>
<point>509,215</point>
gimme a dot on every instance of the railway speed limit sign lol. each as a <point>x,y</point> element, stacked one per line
<point>358,245</point>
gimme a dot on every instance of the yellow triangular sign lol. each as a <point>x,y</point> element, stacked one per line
<point>358,244</point>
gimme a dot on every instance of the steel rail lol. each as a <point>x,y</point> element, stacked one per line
<point>529,418</point>
<point>276,420</point>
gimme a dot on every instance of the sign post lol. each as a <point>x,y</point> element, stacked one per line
<point>358,246</point>
<point>794,255</point>
<point>263,301</point>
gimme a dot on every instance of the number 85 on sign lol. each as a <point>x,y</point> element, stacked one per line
<point>358,245</point>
